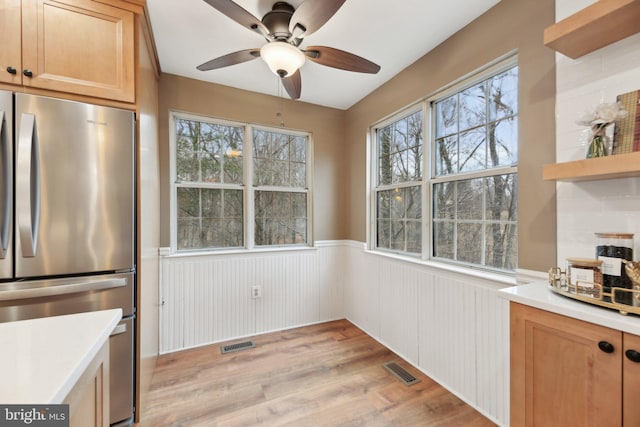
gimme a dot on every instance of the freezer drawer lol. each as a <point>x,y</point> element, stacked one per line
<point>121,371</point>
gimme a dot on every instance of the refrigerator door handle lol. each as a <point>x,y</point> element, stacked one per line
<point>28,185</point>
<point>69,288</point>
<point>6,187</point>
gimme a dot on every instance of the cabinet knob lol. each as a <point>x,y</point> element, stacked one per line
<point>605,346</point>
<point>633,355</point>
<point>27,73</point>
<point>11,70</point>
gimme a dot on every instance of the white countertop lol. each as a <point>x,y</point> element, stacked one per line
<point>42,359</point>
<point>538,295</point>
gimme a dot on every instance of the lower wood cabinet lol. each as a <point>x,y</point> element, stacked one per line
<point>567,372</point>
<point>89,399</point>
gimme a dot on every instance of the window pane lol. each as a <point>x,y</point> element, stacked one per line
<point>446,154</point>
<point>444,200</point>
<point>400,150</point>
<point>485,141</point>
<point>383,234</point>
<point>443,239</point>
<point>398,237</point>
<point>280,218</point>
<point>447,116</point>
<point>503,94</point>
<point>472,150</point>
<point>469,242</point>
<point>279,159</point>
<point>187,151</point>
<point>502,246</point>
<point>414,236</point>
<point>470,196</point>
<point>399,212</point>
<point>203,148</point>
<point>503,143</point>
<point>502,197</point>
<point>488,202</point>
<point>233,169</point>
<point>473,107</point>
<point>414,202</point>
<point>209,218</point>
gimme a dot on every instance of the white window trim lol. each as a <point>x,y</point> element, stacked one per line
<point>248,195</point>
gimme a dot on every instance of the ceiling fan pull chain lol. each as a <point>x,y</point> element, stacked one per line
<point>279,113</point>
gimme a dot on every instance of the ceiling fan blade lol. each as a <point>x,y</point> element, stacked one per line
<point>293,84</point>
<point>340,59</point>
<point>230,59</point>
<point>240,15</point>
<point>313,14</point>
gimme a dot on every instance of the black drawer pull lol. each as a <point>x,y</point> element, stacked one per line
<point>605,346</point>
<point>11,70</point>
<point>633,355</point>
<point>27,73</point>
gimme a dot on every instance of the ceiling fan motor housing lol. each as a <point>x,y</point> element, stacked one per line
<point>277,20</point>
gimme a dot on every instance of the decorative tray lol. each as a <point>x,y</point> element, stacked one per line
<point>624,300</point>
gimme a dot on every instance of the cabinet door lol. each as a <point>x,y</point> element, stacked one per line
<point>79,46</point>
<point>88,400</point>
<point>559,374</point>
<point>631,380</point>
<point>11,42</point>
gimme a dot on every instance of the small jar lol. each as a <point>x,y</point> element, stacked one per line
<point>611,249</point>
<point>585,272</point>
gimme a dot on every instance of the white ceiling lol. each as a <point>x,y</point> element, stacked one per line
<point>393,34</point>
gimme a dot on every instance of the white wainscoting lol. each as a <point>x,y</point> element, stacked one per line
<point>206,298</point>
<point>453,327</point>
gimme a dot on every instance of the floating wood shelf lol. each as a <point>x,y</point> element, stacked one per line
<point>609,167</point>
<point>598,25</point>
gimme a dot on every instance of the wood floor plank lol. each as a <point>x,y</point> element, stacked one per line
<point>329,374</point>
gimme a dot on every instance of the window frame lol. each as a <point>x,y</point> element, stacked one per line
<point>247,187</point>
<point>426,105</point>
<point>372,217</point>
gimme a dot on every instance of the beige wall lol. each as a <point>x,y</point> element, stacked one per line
<point>340,136</point>
<point>326,124</point>
<point>510,25</point>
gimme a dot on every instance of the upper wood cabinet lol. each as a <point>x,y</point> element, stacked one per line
<point>81,47</point>
<point>11,41</point>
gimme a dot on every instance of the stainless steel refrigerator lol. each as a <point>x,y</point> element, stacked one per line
<point>67,220</point>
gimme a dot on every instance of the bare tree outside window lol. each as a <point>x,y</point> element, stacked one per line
<point>280,180</point>
<point>475,220</point>
<point>399,194</point>
<point>208,156</point>
<point>471,183</point>
<point>210,166</point>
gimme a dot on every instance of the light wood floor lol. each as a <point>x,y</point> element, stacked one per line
<point>323,375</point>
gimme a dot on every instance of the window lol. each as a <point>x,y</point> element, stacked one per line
<point>398,194</point>
<point>463,177</point>
<point>212,208</point>
<point>280,196</point>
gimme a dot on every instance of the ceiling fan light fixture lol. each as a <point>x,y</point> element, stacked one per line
<point>282,58</point>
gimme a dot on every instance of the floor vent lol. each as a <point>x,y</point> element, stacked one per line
<point>237,347</point>
<point>401,374</point>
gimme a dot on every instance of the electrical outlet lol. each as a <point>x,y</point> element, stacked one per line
<point>256,291</point>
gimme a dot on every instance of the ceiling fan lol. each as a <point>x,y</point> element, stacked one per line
<point>284,28</point>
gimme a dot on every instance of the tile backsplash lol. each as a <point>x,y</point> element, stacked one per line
<point>595,206</point>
